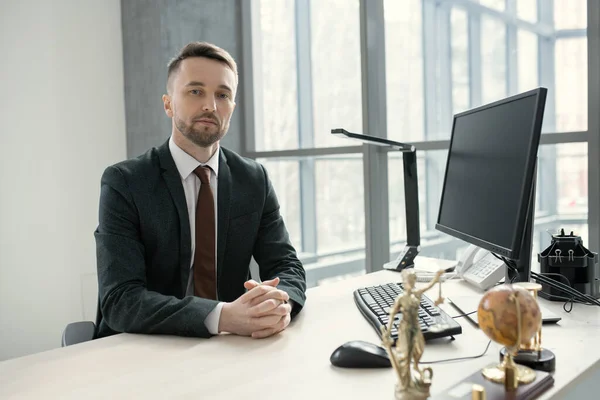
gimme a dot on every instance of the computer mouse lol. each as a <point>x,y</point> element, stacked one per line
<point>359,354</point>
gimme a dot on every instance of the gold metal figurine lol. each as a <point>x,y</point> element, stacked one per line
<point>413,383</point>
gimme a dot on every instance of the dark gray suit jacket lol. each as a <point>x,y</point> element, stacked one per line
<point>143,244</point>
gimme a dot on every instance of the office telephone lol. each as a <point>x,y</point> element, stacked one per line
<point>480,268</point>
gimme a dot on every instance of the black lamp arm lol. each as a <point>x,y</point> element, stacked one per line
<point>411,195</point>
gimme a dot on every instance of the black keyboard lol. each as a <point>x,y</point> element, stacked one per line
<point>374,303</point>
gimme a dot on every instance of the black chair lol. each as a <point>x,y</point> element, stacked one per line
<point>81,331</point>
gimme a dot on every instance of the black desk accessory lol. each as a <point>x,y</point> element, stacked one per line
<point>411,194</point>
<point>567,256</point>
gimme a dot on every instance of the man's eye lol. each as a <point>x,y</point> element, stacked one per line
<point>223,96</point>
<point>195,91</point>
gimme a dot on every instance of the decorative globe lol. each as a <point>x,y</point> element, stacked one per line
<point>497,315</point>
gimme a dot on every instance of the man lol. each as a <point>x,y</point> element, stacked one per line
<point>178,225</point>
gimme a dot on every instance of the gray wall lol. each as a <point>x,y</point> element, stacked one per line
<point>154,32</point>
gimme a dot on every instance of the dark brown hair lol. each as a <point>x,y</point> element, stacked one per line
<point>201,49</point>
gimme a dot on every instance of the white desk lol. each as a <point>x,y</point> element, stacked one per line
<point>292,365</point>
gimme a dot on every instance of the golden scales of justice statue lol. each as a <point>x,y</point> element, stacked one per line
<point>413,383</point>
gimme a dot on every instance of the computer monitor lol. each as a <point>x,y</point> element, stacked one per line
<point>488,195</point>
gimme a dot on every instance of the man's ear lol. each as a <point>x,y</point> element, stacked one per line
<point>168,106</point>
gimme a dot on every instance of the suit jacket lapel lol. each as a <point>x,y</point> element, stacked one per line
<point>173,182</point>
<point>223,199</point>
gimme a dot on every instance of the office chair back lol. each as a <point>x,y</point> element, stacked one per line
<point>81,331</point>
<point>78,332</point>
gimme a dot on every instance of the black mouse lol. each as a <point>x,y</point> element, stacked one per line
<point>359,354</point>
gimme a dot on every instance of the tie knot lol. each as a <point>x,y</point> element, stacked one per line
<point>204,174</point>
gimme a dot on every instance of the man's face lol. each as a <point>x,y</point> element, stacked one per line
<point>201,100</point>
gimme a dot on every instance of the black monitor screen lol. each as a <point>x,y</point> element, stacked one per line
<point>489,172</point>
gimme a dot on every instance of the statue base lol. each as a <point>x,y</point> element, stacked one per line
<point>419,387</point>
<point>412,393</point>
<point>543,360</point>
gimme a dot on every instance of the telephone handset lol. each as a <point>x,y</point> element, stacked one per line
<point>480,268</point>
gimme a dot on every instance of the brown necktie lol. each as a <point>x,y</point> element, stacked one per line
<point>205,281</point>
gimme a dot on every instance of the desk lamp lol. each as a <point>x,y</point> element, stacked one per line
<point>411,194</point>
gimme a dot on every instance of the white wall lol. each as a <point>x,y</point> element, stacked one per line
<point>62,121</point>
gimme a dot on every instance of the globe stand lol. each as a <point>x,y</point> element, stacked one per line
<point>532,354</point>
<point>543,360</point>
<point>509,373</point>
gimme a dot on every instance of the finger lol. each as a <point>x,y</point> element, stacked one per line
<point>286,320</point>
<point>251,284</point>
<point>265,321</point>
<point>263,308</point>
<point>271,294</point>
<point>264,296</point>
<point>281,325</point>
<point>254,292</point>
<point>264,333</point>
<point>270,307</point>
<point>273,282</point>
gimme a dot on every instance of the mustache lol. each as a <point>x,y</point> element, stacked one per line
<point>210,116</point>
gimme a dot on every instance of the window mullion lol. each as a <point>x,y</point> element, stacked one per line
<point>308,209</point>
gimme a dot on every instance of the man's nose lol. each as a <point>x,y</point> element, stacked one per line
<point>209,104</point>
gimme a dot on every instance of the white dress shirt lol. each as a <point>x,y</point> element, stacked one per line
<point>186,164</point>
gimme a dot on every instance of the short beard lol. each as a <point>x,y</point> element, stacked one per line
<point>203,137</point>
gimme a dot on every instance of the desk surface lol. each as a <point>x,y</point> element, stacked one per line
<point>292,365</point>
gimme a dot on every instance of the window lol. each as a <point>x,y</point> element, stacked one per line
<point>285,177</point>
<point>527,10</point>
<point>571,84</point>
<point>460,60</point>
<point>570,14</point>
<point>441,58</point>
<point>527,57</point>
<point>499,5</point>
<point>278,77</point>
<point>404,70</point>
<point>563,203</point>
<point>336,71</point>
<point>308,80</point>
<point>493,59</point>
<point>340,204</point>
<point>489,59</point>
<point>571,179</point>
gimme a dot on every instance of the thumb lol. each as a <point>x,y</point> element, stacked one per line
<point>251,284</point>
<point>273,282</point>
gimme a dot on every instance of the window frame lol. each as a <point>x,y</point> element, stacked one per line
<point>375,159</point>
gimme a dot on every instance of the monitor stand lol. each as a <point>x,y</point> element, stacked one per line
<point>523,263</point>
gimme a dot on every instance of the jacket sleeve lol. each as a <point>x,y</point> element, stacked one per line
<point>125,302</point>
<point>274,253</point>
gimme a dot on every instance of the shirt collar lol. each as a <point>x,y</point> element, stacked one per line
<point>186,164</point>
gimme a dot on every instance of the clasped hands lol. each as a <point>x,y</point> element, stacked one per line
<point>260,312</point>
